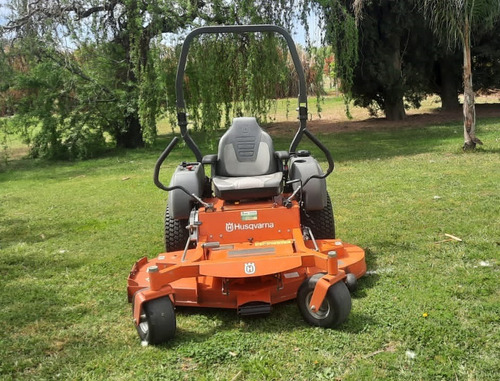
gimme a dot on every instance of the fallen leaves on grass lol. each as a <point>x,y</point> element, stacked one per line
<point>411,355</point>
<point>484,264</point>
<point>390,347</point>
<point>449,239</point>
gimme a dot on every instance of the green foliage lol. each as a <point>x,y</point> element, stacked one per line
<point>108,69</point>
<point>342,34</point>
<point>448,18</point>
<point>46,115</point>
<point>457,22</point>
<point>151,87</point>
<point>232,75</point>
<point>486,61</point>
<point>6,79</point>
<point>4,157</point>
<point>71,100</point>
<point>235,75</point>
<point>385,54</point>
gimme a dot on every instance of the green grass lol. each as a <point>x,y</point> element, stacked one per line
<point>70,232</point>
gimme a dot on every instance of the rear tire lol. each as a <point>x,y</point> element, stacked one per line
<point>157,324</point>
<point>321,222</point>
<point>176,234</point>
<point>335,308</point>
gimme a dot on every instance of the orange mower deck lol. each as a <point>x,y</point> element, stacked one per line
<point>258,259</point>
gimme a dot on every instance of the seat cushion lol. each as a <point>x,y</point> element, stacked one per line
<point>245,150</point>
<point>239,188</point>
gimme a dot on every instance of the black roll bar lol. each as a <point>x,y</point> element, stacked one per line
<point>329,158</point>
<point>159,162</point>
<point>181,105</point>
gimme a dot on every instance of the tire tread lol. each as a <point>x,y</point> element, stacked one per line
<point>321,222</point>
<point>176,233</point>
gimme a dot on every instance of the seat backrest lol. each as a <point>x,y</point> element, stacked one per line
<point>245,150</point>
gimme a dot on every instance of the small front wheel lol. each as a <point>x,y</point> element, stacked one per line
<point>157,324</point>
<point>333,311</point>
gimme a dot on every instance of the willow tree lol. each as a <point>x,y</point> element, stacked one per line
<point>456,21</point>
<point>91,70</point>
<point>341,32</point>
<point>232,75</point>
<point>96,69</point>
<point>385,54</point>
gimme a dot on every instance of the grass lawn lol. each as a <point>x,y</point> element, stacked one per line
<point>70,232</point>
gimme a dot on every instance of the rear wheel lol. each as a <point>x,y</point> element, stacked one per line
<point>157,324</point>
<point>176,234</point>
<point>321,222</point>
<point>333,311</point>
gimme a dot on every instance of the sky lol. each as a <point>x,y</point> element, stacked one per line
<point>4,11</point>
<point>315,31</point>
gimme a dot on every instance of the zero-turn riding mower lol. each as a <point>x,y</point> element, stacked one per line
<point>258,231</point>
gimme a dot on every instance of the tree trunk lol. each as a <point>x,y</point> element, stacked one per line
<point>394,108</point>
<point>470,139</point>
<point>132,136</point>
<point>448,86</point>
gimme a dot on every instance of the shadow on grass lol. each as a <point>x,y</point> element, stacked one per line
<point>386,143</point>
<point>284,317</point>
<point>368,280</point>
<point>364,284</point>
<point>17,231</point>
<point>27,300</point>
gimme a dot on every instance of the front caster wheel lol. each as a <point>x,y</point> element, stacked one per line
<point>351,282</point>
<point>157,324</point>
<point>333,311</point>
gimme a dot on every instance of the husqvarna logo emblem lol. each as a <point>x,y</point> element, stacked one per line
<point>231,226</point>
<point>249,268</point>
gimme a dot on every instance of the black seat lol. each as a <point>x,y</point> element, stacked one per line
<point>246,167</point>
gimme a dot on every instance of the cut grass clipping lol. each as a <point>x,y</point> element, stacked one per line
<point>427,309</point>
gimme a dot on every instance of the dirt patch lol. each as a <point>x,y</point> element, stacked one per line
<point>412,120</point>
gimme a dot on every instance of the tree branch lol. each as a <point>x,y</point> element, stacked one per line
<point>54,10</point>
<point>76,71</point>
